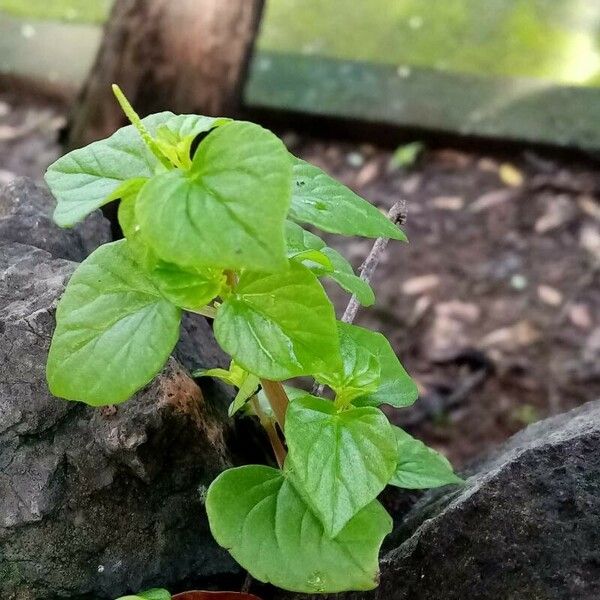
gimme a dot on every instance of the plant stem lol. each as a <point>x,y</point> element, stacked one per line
<point>277,398</point>
<point>396,214</point>
<point>268,425</point>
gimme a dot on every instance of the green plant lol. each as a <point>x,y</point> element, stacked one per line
<point>210,209</point>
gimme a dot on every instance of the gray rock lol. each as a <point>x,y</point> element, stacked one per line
<point>97,503</point>
<point>26,217</point>
<point>525,526</point>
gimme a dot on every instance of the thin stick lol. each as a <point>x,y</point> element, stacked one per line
<point>397,215</point>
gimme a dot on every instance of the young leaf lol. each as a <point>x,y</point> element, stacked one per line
<point>339,460</point>
<point>301,243</point>
<point>85,179</point>
<point>189,288</point>
<point>395,386</point>
<point>420,467</point>
<point>229,209</point>
<point>247,389</point>
<point>360,372</point>
<point>279,325</point>
<point>261,519</point>
<point>235,375</point>
<point>114,330</point>
<point>322,201</point>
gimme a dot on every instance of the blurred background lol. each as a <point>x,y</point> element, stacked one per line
<point>483,115</point>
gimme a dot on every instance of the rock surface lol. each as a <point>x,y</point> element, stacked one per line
<point>95,503</point>
<point>525,526</point>
<point>26,217</point>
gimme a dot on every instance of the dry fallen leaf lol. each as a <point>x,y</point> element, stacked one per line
<point>448,202</point>
<point>559,211</point>
<point>580,316</point>
<point>518,335</point>
<point>589,239</point>
<point>415,286</point>
<point>368,173</point>
<point>549,295</point>
<point>456,309</point>
<point>510,175</point>
<point>590,206</point>
<point>487,164</point>
<point>491,200</point>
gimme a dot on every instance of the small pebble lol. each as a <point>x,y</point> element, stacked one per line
<point>355,159</point>
<point>518,282</point>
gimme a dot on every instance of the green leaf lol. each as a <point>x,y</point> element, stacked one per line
<point>339,460</point>
<point>405,156</point>
<point>85,179</point>
<point>154,594</point>
<point>361,369</point>
<point>395,386</point>
<point>114,330</point>
<point>420,467</point>
<point>329,205</point>
<point>229,210</point>
<point>247,389</point>
<point>301,245</point>
<point>235,375</point>
<point>139,249</point>
<point>256,514</point>
<point>184,126</point>
<point>279,325</point>
<point>189,288</point>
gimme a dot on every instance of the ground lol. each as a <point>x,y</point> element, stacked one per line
<point>493,306</point>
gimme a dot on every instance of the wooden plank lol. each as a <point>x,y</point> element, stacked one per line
<point>531,110</point>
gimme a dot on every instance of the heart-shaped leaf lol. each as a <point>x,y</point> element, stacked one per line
<point>279,325</point>
<point>339,460</point>
<point>114,330</point>
<point>322,201</point>
<point>395,387</point>
<point>256,513</point>
<point>360,372</point>
<point>420,467</point>
<point>228,210</point>
<point>85,179</point>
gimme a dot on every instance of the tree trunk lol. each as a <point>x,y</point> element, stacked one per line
<point>188,56</point>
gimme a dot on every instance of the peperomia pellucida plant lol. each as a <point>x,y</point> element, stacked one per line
<point>212,211</point>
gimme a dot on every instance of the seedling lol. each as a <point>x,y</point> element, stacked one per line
<point>213,211</point>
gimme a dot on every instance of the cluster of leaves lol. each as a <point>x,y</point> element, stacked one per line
<point>211,210</point>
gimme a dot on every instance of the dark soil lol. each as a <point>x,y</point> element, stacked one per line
<point>493,307</point>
